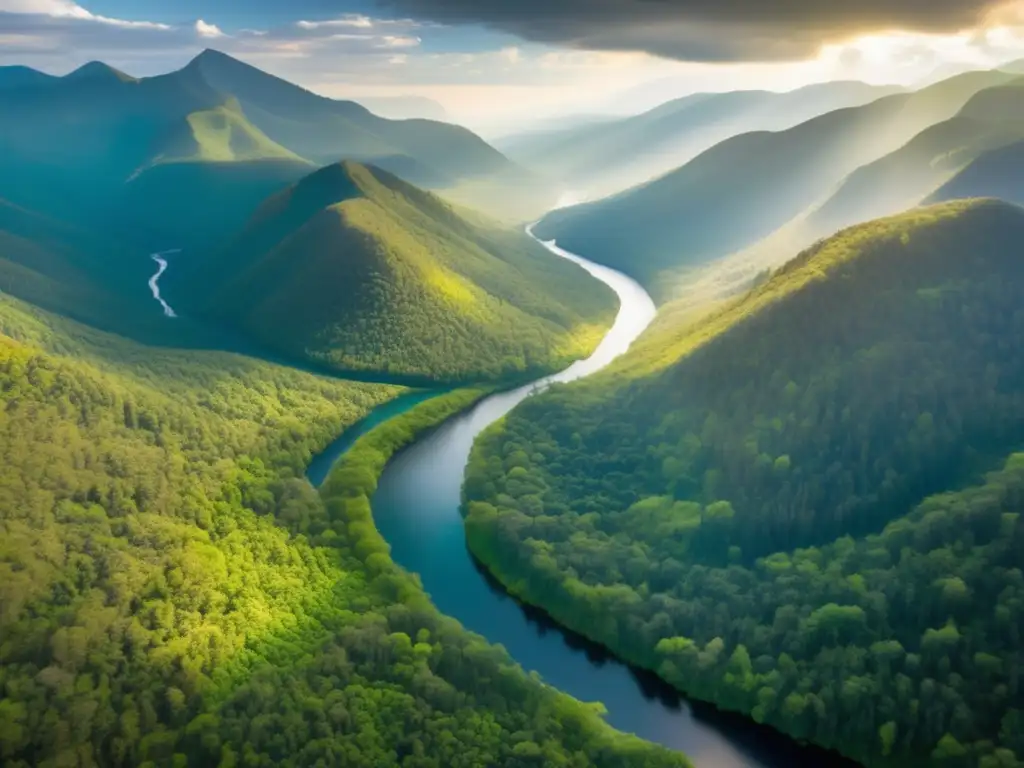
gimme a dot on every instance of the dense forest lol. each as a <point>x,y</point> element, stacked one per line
<point>355,269</point>
<point>173,591</point>
<point>749,508</point>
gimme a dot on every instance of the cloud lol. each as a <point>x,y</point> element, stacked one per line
<point>64,9</point>
<point>349,20</point>
<point>702,30</point>
<point>209,31</point>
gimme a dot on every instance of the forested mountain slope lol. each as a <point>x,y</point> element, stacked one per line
<point>173,591</point>
<point>741,507</point>
<point>747,187</point>
<point>356,269</point>
<point>611,155</point>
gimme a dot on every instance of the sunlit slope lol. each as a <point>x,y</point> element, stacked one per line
<point>713,507</point>
<point>609,156</point>
<point>428,153</point>
<point>159,495</point>
<point>356,269</point>
<point>992,119</point>
<point>747,187</point>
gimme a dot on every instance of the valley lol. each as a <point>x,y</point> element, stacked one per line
<point>716,463</point>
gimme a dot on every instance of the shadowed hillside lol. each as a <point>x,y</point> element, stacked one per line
<point>998,173</point>
<point>354,268</point>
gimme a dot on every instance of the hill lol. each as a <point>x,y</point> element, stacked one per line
<point>68,270</point>
<point>998,172</point>
<point>439,156</point>
<point>991,119</point>
<point>747,187</point>
<point>610,155</point>
<point>745,508</point>
<point>356,269</point>
<point>21,77</point>
<point>155,521</point>
<point>96,131</point>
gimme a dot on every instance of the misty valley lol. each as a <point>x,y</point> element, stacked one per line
<point>336,433</point>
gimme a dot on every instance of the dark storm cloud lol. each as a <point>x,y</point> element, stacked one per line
<point>700,30</point>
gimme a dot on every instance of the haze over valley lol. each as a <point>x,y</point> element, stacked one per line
<point>428,383</point>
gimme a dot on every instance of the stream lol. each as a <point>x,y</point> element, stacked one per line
<point>416,509</point>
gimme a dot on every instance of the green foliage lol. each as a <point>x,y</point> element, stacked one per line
<point>644,507</point>
<point>355,269</point>
<point>173,591</point>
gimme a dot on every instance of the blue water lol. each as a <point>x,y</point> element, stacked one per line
<point>416,509</point>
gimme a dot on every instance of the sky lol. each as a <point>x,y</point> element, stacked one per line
<point>505,65</point>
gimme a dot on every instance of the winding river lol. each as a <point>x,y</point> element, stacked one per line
<point>416,509</point>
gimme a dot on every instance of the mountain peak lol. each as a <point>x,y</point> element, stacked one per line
<point>97,70</point>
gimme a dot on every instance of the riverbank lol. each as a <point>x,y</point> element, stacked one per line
<point>347,493</point>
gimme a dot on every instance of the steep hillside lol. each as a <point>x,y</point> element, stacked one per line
<point>173,591</point>
<point>69,270</point>
<point>610,155</point>
<point>427,153</point>
<point>993,118</point>
<point>740,507</point>
<point>747,187</point>
<point>356,269</point>
<point>998,173</point>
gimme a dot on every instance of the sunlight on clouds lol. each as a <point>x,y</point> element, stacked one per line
<point>64,9</point>
<point>210,31</point>
<point>351,20</point>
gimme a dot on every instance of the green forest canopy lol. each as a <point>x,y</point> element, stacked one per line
<point>173,591</point>
<point>355,269</point>
<point>743,509</point>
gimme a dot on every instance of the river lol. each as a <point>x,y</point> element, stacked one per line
<point>416,509</point>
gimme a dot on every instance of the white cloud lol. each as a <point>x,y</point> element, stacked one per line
<point>208,30</point>
<point>398,41</point>
<point>64,9</point>
<point>350,20</point>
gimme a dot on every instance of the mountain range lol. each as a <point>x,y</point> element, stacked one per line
<point>606,155</point>
<point>748,187</point>
<point>121,147</point>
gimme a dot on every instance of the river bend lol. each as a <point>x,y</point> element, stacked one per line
<point>416,509</point>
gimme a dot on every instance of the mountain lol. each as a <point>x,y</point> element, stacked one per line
<point>22,77</point>
<point>902,179</point>
<point>97,133</point>
<point>747,187</point>
<point>999,172</point>
<point>432,154</point>
<point>356,269</point>
<point>69,270</point>
<point>749,507</point>
<point>607,156</point>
